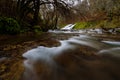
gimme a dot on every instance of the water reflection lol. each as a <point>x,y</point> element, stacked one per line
<point>72,60</point>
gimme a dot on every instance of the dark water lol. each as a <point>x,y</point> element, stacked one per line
<point>78,58</point>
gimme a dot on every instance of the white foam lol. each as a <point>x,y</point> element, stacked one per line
<point>68,27</point>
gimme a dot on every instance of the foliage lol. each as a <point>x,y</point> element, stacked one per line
<point>109,24</point>
<point>47,13</point>
<point>98,14</point>
<point>42,11</point>
<point>106,24</point>
<point>9,26</point>
<point>29,13</point>
<point>37,29</point>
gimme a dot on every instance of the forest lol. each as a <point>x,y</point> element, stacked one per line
<point>19,16</point>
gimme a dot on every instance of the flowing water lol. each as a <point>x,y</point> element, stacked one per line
<point>80,57</point>
<point>68,27</point>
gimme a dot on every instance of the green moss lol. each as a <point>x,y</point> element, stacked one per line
<point>84,25</point>
<point>98,24</point>
<point>80,25</point>
<point>108,24</point>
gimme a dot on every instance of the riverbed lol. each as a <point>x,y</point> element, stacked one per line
<point>60,56</point>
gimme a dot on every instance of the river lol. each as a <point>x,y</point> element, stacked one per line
<point>78,57</point>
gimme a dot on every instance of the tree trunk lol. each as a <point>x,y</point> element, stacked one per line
<point>36,12</point>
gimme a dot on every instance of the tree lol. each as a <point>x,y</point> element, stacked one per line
<point>35,7</point>
<point>109,7</point>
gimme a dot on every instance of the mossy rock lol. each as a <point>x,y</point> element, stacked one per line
<point>84,25</point>
<point>80,25</point>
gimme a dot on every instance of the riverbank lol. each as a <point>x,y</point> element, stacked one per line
<point>12,48</point>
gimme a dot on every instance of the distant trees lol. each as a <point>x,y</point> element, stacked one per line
<point>94,8</point>
<point>105,5</point>
<point>82,10</point>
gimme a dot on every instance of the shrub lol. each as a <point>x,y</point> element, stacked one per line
<point>9,26</point>
<point>109,24</point>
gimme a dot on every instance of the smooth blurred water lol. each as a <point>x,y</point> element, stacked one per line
<point>40,63</point>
